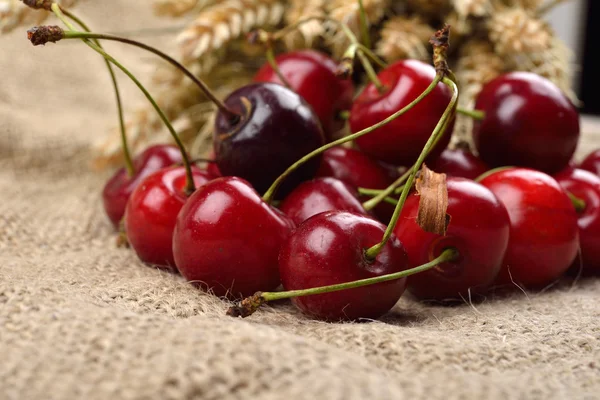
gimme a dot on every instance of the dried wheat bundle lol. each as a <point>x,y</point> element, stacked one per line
<point>405,37</point>
<point>308,33</point>
<point>177,8</point>
<point>516,31</point>
<point>13,14</point>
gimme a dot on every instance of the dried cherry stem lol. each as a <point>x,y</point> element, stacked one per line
<point>270,193</point>
<point>231,115</point>
<point>477,115</point>
<point>190,186</point>
<point>249,305</point>
<point>372,252</point>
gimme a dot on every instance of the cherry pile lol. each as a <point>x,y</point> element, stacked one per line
<point>338,226</point>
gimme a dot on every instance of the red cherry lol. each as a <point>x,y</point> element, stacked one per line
<point>586,186</point>
<point>118,189</point>
<point>359,170</point>
<point>329,248</point>
<point>479,230</point>
<point>591,162</point>
<point>528,122</point>
<point>212,168</point>
<point>320,195</point>
<point>400,142</point>
<point>227,239</point>
<point>152,211</point>
<point>311,74</point>
<point>544,236</point>
<point>459,163</point>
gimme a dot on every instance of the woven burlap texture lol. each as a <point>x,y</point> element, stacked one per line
<point>82,319</point>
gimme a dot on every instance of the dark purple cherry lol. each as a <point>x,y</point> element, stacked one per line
<point>459,163</point>
<point>152,211</point>
<point>117,190</point>
<point>320,195</point>
<point>227,239</point>
<point>329,248</point>
<point>276,128</point>
<point>529,122</point>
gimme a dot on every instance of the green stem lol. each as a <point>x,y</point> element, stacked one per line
<point>371,74</point>
<point>372,203</point>
<point>477,115</point>
<point>270,193</point>
<point>376,192</point>
<point>369,53</point>
<point>231,115</point>
<point>372,252</point>
<point>447,255</point>
<point>126,153</point>
<point>364,24</point>
<point>578,203</point>
<point>273,63</point>
<point>490,172</point>
<point>190,186</point>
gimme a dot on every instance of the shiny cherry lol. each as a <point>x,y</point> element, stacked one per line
<point>329,248</point>
<point>591,162</point>
<point>586,186</point>
<point>227,239</point>
<point>544,236</point>
<point>320,195</point>
<point>478,229</point>
<point>358,169</point>
<point>459,163</point>
<point>400,142</point>
<point>528,122</point>
<point>276,128</point>
<point>118,189</point>
<point>311,74</point>
<point>152,211</point>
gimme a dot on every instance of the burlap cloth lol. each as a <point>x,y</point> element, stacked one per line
<point>80,318</point>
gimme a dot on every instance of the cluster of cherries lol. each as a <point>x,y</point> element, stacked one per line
<point>519,214</point>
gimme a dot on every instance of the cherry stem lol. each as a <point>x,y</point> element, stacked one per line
<point>364,24</point>
<point>578,203</point>
<point>273,63</point>
<point>372,252</point>
<point>125,146</point>
<point>477,115</point>
<point>249,305</point>
<point>190,186</point>
<point>375,192</point>
<point>490,172</point>
<point>231,115</point>
<point>270,193</point>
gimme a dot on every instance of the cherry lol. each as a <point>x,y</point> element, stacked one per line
<point>400,142</point>
<point>528,122</point>
<point>152,211</point>
<point>458,163</point>
<point>478,229</point>
<point>320,195</point>
<point>330,248</point>
<point>544,236</point>
<point>227,239</point>
<point>212,168</point>
<point>586,186</point>
<point>276,128</point>
<point>591,162</point>
<point>359,170</point>
<point>119,187</point>
<point>311,74</point>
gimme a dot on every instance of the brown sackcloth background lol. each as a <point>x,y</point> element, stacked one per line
<point>81,319</point>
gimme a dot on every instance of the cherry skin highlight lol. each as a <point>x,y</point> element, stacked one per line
<point>119,187</point>
<point>528,122</point>
<point>544,237</point>
<point>311,74</point>
<point>320,195</point>
<point>276,129</point>
<point>152,211</point>
<point>227,239</point>
<point>400,142</point>
<point>478,229</point>
<point>358,169</point>
<point>458,163</point>
<point>329,248</point>
<point>586,186</point>
<point>591,163</point>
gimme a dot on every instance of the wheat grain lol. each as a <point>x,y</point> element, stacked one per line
<point>177,8</point>
<point>515,31</point>
<point>404,37</point>
<point>307,33</point>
